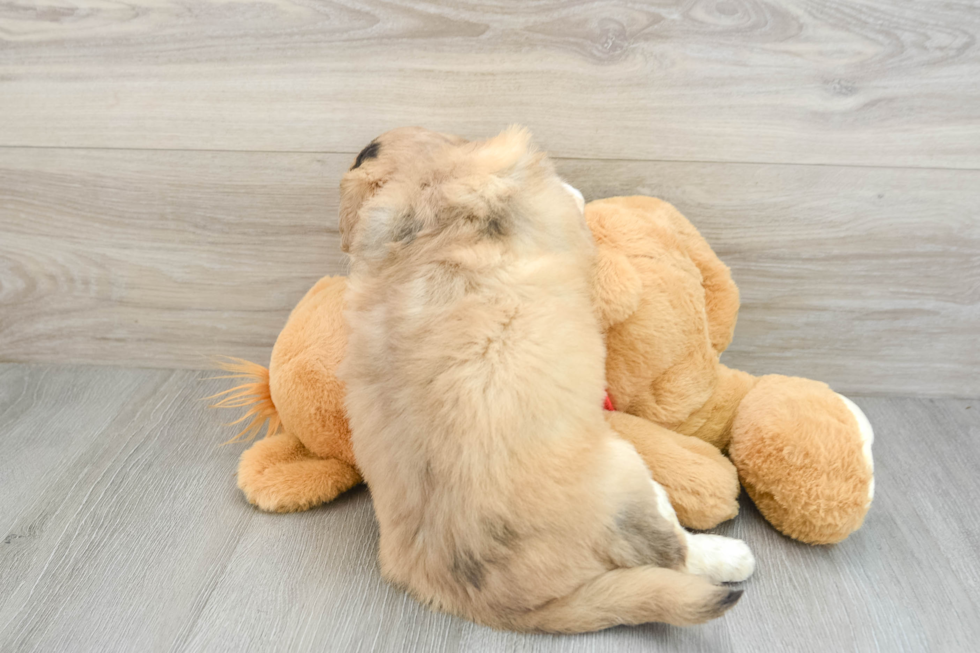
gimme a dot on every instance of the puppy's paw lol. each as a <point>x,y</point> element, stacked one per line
<point>720,559</point>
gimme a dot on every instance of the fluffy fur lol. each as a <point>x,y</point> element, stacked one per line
<point>475,379</point>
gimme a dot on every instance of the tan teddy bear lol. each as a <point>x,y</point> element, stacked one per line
<point>668,307</point>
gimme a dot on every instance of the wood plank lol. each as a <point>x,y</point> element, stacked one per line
<point>136,539</point>
<point>119,548</point>
<point>159,258</point>
<point>49,420</point>
<point>869,82</point>
<point>866,278</point>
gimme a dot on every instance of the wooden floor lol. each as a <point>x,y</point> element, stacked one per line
<point>122,530</point>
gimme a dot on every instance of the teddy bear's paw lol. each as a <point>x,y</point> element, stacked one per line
<point>708,494</point>
<point>720,559</point>
<point>278,474</point>
<point>278,499</point>
<point>803,454</point>
<point>296,486</point>
<point>702,484</point>
<point>867,439</point>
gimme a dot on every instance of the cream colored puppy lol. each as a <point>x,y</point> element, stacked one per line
<point>475,381</point>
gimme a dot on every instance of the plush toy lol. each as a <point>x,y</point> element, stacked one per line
<point>668,307</point>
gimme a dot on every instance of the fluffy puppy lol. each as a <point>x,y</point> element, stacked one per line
<point>475,381</point>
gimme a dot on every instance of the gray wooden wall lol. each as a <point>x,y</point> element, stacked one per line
<point>168,171</point>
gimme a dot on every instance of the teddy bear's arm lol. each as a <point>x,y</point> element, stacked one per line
<point>702,484</point>
<point>616,287</point>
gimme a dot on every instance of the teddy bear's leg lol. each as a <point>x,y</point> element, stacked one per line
<point>702,484</point>
<point>279,474</point>
<point>803,453</point>
<point>712,422</point>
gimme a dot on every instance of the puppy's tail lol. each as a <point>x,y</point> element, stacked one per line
<point>633,596</point>
<point>253,394</point>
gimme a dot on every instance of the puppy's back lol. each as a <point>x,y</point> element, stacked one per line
<point>475,378</point>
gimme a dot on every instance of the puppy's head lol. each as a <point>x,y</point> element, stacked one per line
<point>413,183</point>
<point>393,156</point>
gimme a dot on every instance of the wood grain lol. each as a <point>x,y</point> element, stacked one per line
<point>133,537</point>
<point>865,82</point>
<point>866,278</point>
<point>49,421</point>
<point>119,544</point>
<point>159,258</point>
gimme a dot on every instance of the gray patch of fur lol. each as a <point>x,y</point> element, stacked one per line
<point>649,536</point>
<point>502,533</point>
<point>406,228</point>
<point>468,569</point>
<point>494,227</point>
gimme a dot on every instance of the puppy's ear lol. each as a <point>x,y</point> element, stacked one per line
<point>353,193</point>
<point>377,223</point>
<point>504,154</point>
<point>490,175</point>
<point>356,187</point>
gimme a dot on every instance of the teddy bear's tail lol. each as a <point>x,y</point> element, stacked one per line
<point>253,394</point>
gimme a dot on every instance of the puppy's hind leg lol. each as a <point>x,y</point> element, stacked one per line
<point>720,559</point>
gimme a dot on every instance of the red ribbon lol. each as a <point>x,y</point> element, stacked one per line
<point>608,404</point>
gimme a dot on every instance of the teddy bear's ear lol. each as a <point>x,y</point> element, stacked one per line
<point>616,287</point>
